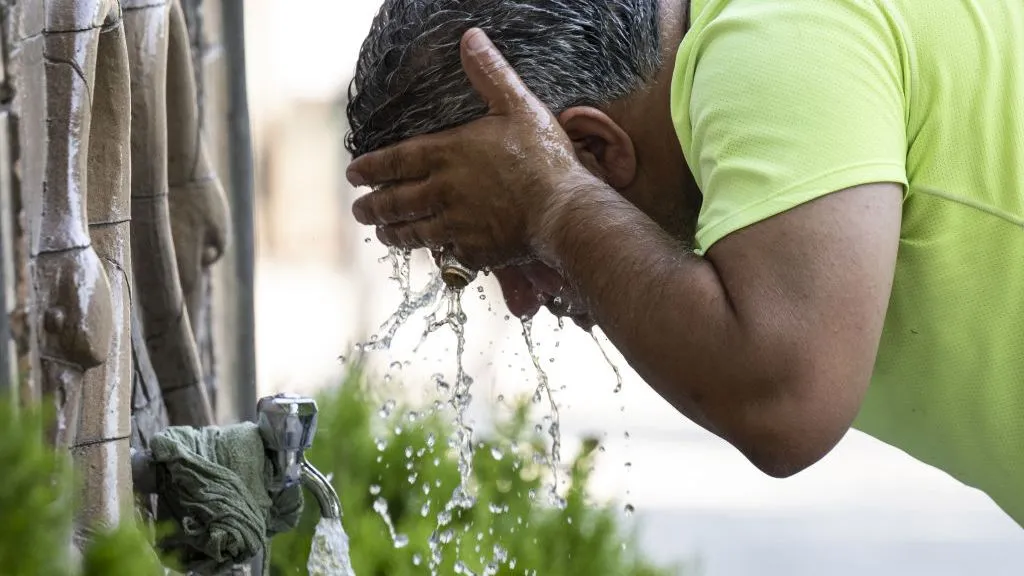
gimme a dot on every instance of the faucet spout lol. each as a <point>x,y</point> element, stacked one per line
<point>326,497</point>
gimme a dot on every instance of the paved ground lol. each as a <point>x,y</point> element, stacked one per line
<point>866,509</point>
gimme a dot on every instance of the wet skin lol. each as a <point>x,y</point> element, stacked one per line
<point>768,340</point>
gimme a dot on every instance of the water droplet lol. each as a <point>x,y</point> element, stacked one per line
<point>381,444</point>
<point>401,541</point>
<point>395,366</point>
<point>408,451</point>
<point>374,489</point>
<point>626,435</point>
<point>500,554</point>
<point>367,240</point>
<point>496,453</point>
<point>386,409</point>
<point>417,559</point>
<point>629,509</point>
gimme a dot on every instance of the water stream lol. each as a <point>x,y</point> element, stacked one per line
<point>628,509</point>
<point>553,421</point>
<point>329,554</point>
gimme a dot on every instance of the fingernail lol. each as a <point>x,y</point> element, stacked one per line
<point>355,178</point>
<point>359,213</point>
<point>476,41</point>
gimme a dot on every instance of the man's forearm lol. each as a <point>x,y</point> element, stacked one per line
<point>664,307</point>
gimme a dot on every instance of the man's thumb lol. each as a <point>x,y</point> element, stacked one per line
<point>491,75</point>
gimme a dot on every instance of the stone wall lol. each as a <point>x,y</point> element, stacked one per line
<point>118,122</point>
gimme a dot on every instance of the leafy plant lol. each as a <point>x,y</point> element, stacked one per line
<point>37,510</point>
<point>402,458</point>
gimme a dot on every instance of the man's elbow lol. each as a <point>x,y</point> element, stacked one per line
<point>781,461</point>
<point>790,433</point>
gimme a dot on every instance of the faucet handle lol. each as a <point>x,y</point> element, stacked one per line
<point>287,424</point>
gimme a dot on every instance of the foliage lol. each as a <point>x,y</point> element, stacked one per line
<point>121,552</point>
<point>403,458</point>
<point>37,511</point>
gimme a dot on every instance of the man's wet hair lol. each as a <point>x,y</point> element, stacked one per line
<point>409,79</point>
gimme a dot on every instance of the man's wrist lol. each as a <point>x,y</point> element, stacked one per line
<point>556,218</point>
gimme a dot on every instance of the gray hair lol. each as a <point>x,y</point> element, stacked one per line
<point>409,79</point>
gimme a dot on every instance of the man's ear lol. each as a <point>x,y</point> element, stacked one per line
<point>601,145</point>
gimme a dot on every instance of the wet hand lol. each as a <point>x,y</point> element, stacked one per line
<point>485,190</point>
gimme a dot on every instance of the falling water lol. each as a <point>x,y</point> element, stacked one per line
<point>629,509</point>
<point>608,359</point>
<point>412,302</point>
<point>380,506</point>
<point>544,388</point>
<point>459,400</point>
<point>330,551</point>
<point>329,554</point>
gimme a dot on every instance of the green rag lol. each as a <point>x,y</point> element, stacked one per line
<point>214,482</point>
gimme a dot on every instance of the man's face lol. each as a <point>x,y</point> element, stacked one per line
<point>529,287</point>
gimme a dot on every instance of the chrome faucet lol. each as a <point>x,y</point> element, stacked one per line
<point>287,424</point>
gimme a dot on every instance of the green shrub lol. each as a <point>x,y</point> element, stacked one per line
<point>37,510</point>
<point>510,518</point>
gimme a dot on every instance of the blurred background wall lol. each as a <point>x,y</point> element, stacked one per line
<point>866,509</point>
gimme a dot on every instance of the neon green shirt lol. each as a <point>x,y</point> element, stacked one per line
<point>778,102</point>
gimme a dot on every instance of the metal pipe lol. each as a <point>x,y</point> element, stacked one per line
<point>326,497</point>
<point>242,212</point>
<point>8,362</point>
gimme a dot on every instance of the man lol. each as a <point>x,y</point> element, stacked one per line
<point>790,217</point>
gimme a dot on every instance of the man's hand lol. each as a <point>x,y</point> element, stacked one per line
<point>484,190</point>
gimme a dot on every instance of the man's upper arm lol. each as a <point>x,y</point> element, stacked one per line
<point>779,103</point>
<point>815,282</point>
<point>792,118</point>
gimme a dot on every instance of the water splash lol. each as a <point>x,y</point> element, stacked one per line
<point>618,388</point>
<point>329,555</point>
<point>553,421</point>
<point>380,506</point>
<point>460,397</point>
<point>608,360</point>
<point>412,301</point>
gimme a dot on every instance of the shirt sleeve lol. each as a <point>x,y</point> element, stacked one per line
<point>779,103</point>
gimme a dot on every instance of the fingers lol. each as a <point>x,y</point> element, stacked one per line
<point>491,75</point>
<point>408,160</point>
<point>398,204</point>
<point>427,233</point>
